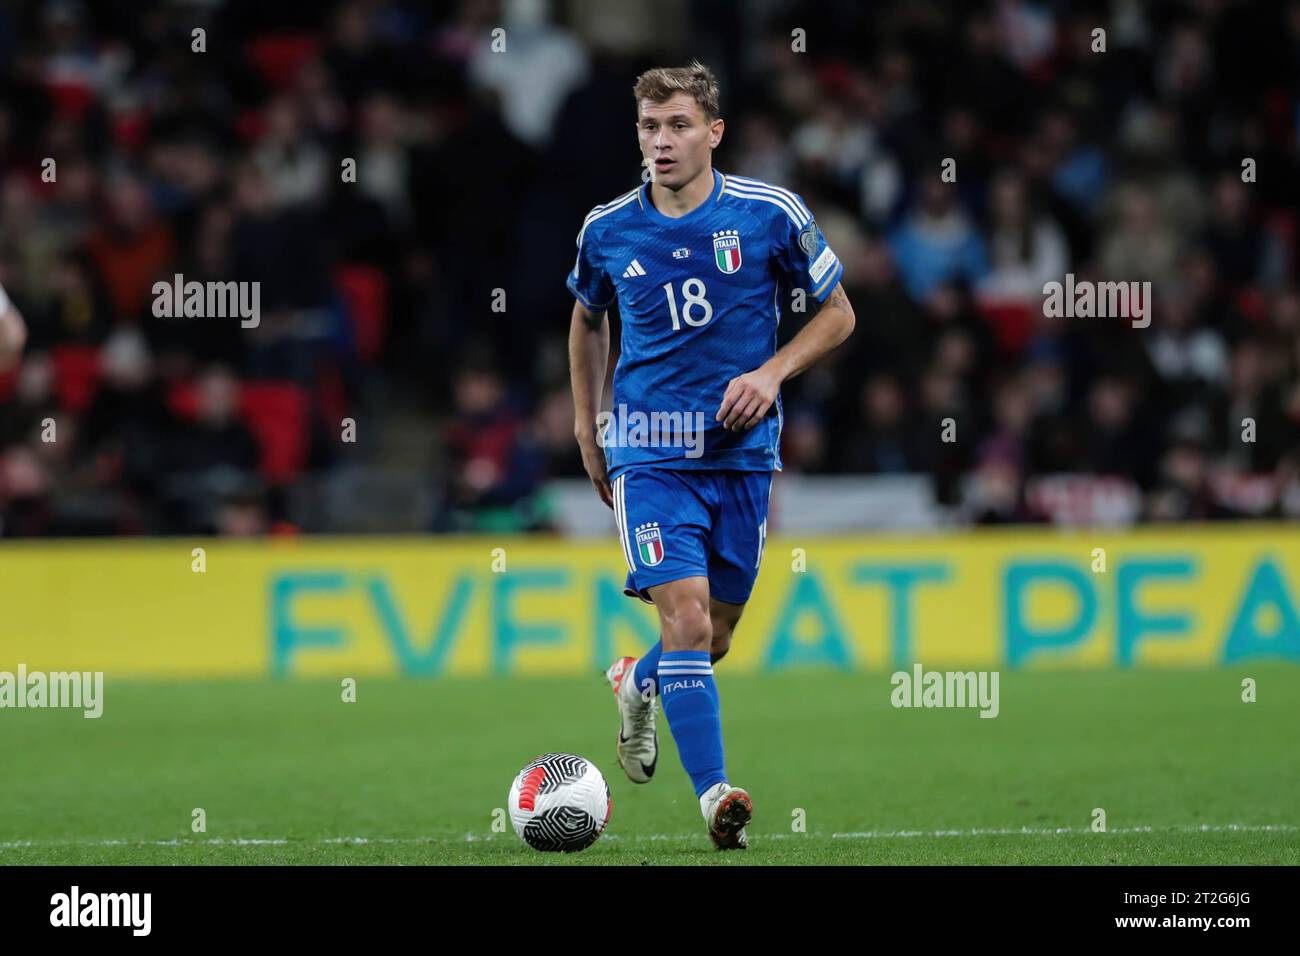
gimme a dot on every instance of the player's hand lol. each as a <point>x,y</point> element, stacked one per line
<point>747,399</point>
<point>593,460</point>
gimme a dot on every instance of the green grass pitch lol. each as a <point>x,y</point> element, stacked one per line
<point>412,772</point>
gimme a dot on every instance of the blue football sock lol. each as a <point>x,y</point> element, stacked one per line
<point>647,669</point>
<point>690,701</point>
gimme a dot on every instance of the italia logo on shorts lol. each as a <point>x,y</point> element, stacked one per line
<point>649,544</point>
<point>726,250</point>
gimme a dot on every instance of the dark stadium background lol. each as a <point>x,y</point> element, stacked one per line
<point>475,173</point>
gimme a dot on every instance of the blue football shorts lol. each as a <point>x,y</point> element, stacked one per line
<point>679,523</point>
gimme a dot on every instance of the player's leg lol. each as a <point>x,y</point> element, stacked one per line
<point>738,511</point>
<point>735,549</point>
<point>724,617</point>
<point>662,526</point>
<point>664,521</point>
<point>692,706</point>
<point>644,671</point>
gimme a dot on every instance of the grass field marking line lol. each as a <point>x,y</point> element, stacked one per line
<point>856,835</point>
<point>215,841</point>
<point>1062,831</point>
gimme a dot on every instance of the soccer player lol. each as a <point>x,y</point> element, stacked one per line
<point>700,263</point>
<point>13,333</point>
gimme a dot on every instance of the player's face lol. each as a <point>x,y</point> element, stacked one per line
<point>676,140</point>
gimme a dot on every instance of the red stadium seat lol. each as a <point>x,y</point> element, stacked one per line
<point>130,128</point>
<point>365,292</point>
<point>71,97</point>
<point>76,375</point>
<point>279,57</point>
<point>276,414</point>
<point>183,399</point>
<point>249,125</point>
<point>330,395</point>
<point>1012,324</point>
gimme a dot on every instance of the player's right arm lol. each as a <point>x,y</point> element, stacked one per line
<point>588,359</point>
<point>589,350</point>
<point>13,332</point>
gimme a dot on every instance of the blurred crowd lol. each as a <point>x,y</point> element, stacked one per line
<point>407,193</point>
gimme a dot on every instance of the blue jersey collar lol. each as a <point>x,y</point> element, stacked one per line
<point>719,181</point>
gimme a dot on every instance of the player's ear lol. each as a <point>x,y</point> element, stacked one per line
<point>716,129</point>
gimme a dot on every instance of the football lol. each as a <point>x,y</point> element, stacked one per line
<point>560,803</point>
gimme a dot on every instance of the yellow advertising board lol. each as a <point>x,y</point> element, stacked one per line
<point>433,607</point>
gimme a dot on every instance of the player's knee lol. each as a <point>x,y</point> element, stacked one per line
<point>688,628</point>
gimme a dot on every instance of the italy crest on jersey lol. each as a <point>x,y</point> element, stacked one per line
<point>726,250</point>
<point>649,544</point>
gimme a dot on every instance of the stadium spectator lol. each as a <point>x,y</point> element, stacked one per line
<point>494,465</point>
<point>937,243</point>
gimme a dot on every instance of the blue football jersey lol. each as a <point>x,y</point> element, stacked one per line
<point>700,299</point>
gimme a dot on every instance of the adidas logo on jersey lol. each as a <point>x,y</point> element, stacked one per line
<point>633,270</point>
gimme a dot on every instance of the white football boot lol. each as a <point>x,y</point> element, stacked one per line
<point>638,741</point>
<point>727,810</point>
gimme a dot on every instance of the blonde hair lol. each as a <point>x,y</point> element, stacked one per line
<point>662,82</point>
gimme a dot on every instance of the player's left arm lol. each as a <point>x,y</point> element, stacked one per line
<point>749,396</point>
